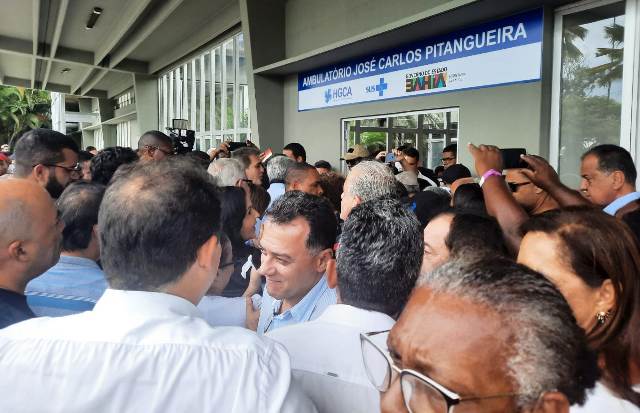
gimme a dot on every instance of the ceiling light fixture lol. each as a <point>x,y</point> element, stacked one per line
<point>65,70</point>
<point>93,18</point>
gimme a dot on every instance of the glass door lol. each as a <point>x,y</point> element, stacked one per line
<point>590,106</point>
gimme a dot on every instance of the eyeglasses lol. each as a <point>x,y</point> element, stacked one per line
<point>152,148</point>
<point>447,159</point>
<point>73,170</point>
<point>420,393</point>
<point>514,186</point>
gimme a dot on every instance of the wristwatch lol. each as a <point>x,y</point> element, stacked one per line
<point>489,173</point>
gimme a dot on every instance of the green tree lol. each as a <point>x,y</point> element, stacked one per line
<point>22,109</point>
<point>608,72</point>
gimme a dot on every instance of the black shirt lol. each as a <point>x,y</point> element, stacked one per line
<point>13,308</point>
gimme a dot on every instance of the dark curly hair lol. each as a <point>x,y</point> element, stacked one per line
<point>107,162</point>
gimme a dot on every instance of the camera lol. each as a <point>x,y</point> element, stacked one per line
<point>181,136</point>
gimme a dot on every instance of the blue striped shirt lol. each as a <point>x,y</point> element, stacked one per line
<point>309,308</point>
<point>71,286</point>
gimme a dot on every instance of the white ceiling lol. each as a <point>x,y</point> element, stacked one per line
<point>128,36</point>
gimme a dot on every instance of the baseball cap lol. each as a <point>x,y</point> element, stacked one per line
<point>359,151</point>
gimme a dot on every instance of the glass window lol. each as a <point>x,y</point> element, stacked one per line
<point>590,84</point>
<point>439,128</point>
<point>211,91</point>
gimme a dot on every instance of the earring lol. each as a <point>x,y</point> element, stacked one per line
<point>602,317</point>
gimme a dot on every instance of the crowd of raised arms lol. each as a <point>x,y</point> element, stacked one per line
<point>245,281</point>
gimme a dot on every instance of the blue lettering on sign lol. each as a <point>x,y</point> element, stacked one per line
<point>522,29</point>
<point>337,93</point>
<point>327,96</point>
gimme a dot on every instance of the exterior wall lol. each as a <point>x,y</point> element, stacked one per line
<point>307,20</point>
<point>487,116</point>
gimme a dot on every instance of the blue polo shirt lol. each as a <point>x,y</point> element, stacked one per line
<point>309,308</point>
<point>71,286</point>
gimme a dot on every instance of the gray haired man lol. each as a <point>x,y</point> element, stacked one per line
<point>373,275</point>
<point>484,336</point>
<point>226,171</point>
<point>366,181</point>
<point>277,168</point>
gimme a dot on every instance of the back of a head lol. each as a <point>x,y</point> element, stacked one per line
<point>469,198</point>
<point>105,164</point>
<point>379,257</point>
<point>297,172</point>
<point>147,239</point>
<point>78,207</point>
<point>550,350</point>
<point>297,150</point>
<point>17,214</point>
<point>226,171</point>
<point>371,180</point>
<point>455,172</point>
<point>614,158</point>
<point>409,180</point>
<point>475,235</point>
<point>40,146</point>
<point>431,203</point>
<point>277,168</point>
<point>202,158</point>
<point>154,137</point>
<point>233,208</point>
<point>260,198</point>
<point>316,211</point>
<point>244,155</point>
<point>332,184</point>
<point>322,164</point>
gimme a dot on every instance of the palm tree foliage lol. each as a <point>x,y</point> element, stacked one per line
<point>22,109</point>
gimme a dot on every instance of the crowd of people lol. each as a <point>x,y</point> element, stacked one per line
<point>240,280</point>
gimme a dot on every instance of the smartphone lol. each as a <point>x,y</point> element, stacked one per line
<point>236,145</point>
<point>511,158</point>
<point>390,157</point>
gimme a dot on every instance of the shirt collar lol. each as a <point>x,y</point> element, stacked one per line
<point>302,311</point>
<point>153,304</point>
<point>351,316</point>
<point>85,262</point>
<point>613,207</point>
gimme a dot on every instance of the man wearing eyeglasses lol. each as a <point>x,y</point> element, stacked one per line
<point>532,198</point>
<point>373,274</point>
<point>484,336</point>
<point>154,145</point>
<point>49,159</point>
<point>450,155</point>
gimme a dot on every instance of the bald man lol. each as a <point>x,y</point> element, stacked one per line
<point>303,177</point>
<point>30,242</point>
<point>154,146</point>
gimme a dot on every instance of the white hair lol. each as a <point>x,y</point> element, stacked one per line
<point>277,167</point>
<point>372,180</point>
<point>226,171</point>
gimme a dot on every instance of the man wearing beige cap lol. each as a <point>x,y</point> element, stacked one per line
<point>357,155</point>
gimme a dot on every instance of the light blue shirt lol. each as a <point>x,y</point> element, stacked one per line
<point>276,190</point>
<point>71,286</point>
<point>621,202</point>
<point>309,308</point>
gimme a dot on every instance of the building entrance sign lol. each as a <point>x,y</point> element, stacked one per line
<point>497,53</point>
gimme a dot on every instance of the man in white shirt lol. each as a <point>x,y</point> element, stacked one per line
<point>145,346</point>
<point>377,265</point>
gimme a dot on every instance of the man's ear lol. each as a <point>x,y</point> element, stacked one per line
<point>208,256</point>
<point>41,174</point>
<point>618,179</point>
<point>17,252</point>
<point>332,274</point>
<point>322,259</point>
<point>551,402</point>
<point>356,200</point>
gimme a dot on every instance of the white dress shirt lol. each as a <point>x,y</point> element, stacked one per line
<point>326,357</point>
<point>601,400</point>
<point>142,352</point>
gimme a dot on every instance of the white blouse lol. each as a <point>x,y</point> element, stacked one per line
<point>601,399</point>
